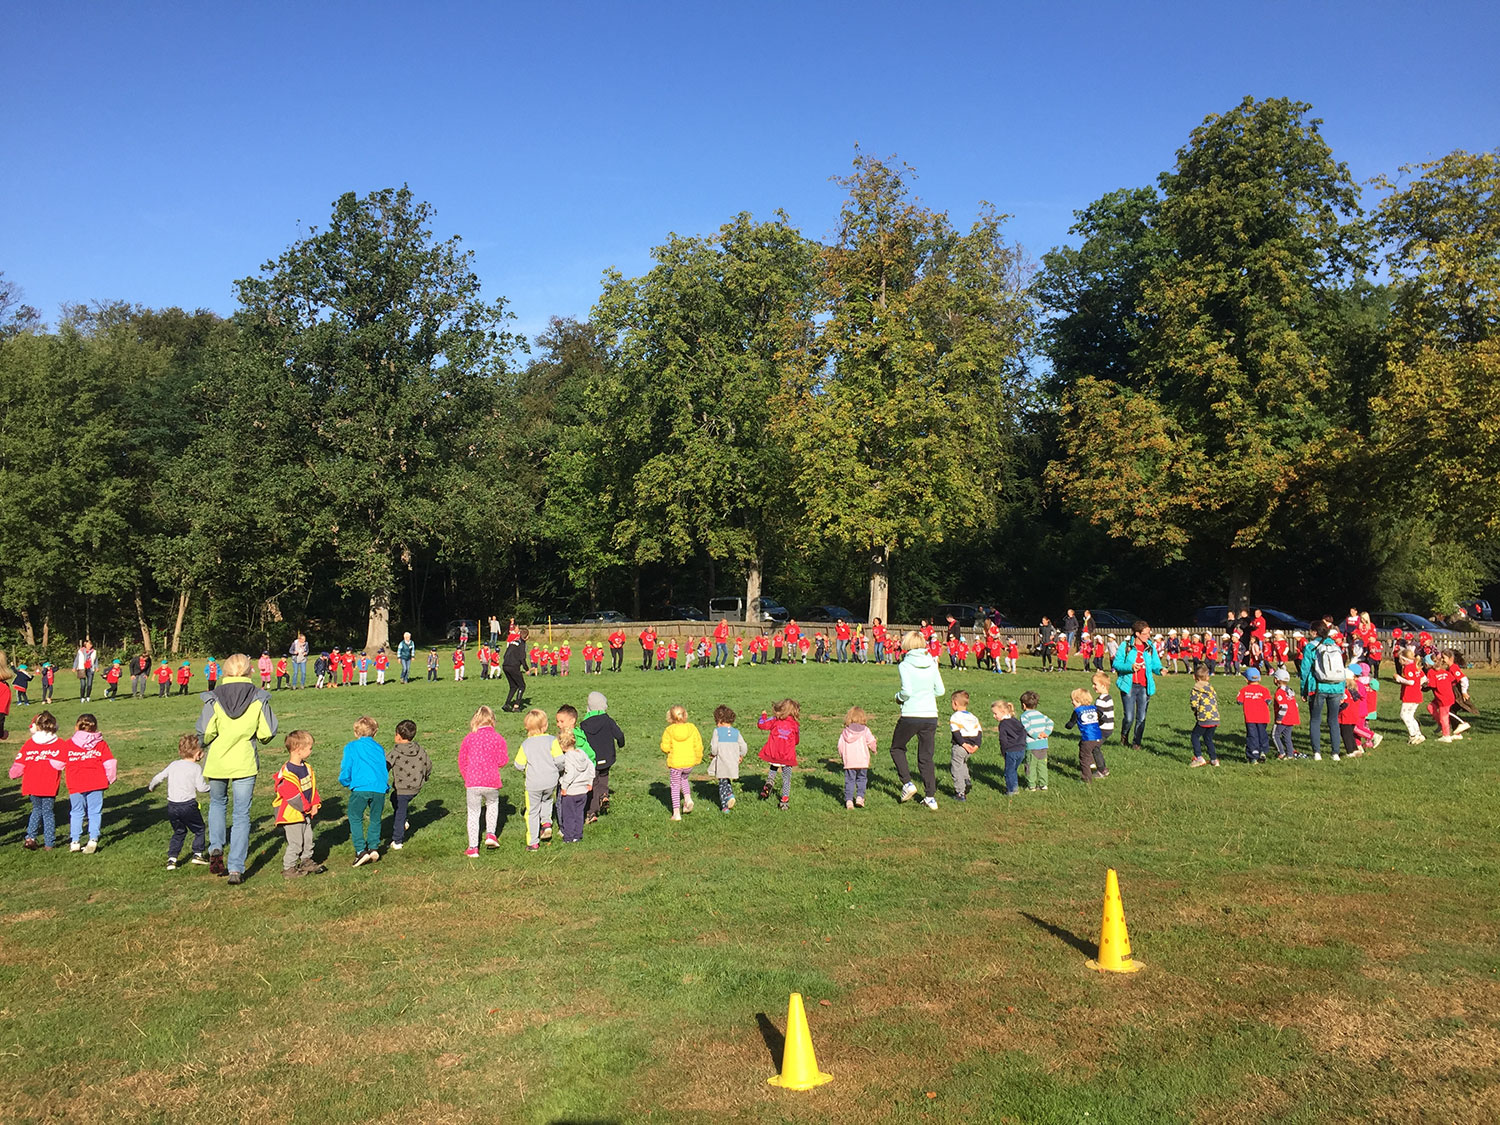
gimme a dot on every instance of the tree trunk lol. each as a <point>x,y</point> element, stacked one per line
<point>379,634</point>
<point>635,594</point>
<point>1239,584</point>
<point>140,617</point>
<point>46,629</point>
<point>27,630</point>
<point>880,584</point>
<point>752,584</point>
<point>182,604</point>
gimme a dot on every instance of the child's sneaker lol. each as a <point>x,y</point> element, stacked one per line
<point>75,846</point>
<point>172,863</point>
<point>729,804</point>
<point>676,816</point>
<point>1356,753</point>
<point>959,797</point>
<point>1462,726</point>
<point>533,847</point>
<point>361,859</point>
<point>1042,788</point>
<point>908,791</point>
<point>687,806</point>
<point>849,805</point>
<point>490,841</point>
<point>765,790</point>
<point>783,804</point>
<point>216,864</point>
<point>199,859</point>
<point>859,802</point>
<point>91,847</point>
<point>396,845</point>
<point>546,832</point>
<point>1376,740</point>
<point>374,855</point>
<point>1213,761</point>
<point>1196,762</point>
<point>1335,757</point>
<point>471,853</point>
<point>1317,757</point>
<point>29,844</point>
<point>930,802</point>
<point>725,810</point>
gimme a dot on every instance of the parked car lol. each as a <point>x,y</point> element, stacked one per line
<point>962,612</point>
<point>1407,623</point>
<point>605,617</point>
<point>825,614</point>
<point>1214,617</point>
<point>767,611</point>
<point>1114,618</point>
<point>730,609</point>
<point>680,613</point>
<point>1478,610</point>
<point>455,628</point>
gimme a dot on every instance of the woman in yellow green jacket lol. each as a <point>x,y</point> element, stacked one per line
<point>236,718</point>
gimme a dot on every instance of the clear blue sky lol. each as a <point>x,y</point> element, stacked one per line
<point>155,152</point>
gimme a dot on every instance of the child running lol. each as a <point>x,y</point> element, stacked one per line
<point>728,748</point>
<point>185,781</point>
<point>1085,718</point>
<point>481,756</point>
<point>780,750</point>
<point>856,748</point>
<point>683,746</point>
<point>410,768</point>
<point>966,733</point>
<point>539,759</point>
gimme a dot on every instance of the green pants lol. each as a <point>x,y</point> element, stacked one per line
<point>1036,771</point>
<point>359,804</point>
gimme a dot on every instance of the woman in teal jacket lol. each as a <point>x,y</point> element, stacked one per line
<point>1138,665</point>
<point>1322,696</point>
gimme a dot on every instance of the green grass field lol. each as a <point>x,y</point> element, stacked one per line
<point>1322,940</point>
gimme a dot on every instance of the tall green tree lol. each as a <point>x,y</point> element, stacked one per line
<point>696,367</point>
<point>371,389</point>
<point>1219,443</point>
<point>905,389</point>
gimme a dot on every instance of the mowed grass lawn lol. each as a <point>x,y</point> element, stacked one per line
<point>1322,940</point>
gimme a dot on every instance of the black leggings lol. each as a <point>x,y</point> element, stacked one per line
<point>926,733</point>
<point>517,686</point>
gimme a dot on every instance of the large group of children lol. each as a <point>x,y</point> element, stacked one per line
<point>565,760</point>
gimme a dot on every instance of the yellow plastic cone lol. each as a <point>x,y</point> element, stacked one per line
<point>799,1065</point>
<point>1114,942</point>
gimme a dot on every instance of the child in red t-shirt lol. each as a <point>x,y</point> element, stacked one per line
<point>163,680</point>
<point>458,665</point>
<point>1409,676</point>
<point>1440,682</point>
<point>89,768</point>
<point>37,764</point>
<point>1288,716</point>
<point>184,677</point>
<point>1256,701</point>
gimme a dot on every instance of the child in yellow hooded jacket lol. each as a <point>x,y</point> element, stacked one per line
<point>683,746</point>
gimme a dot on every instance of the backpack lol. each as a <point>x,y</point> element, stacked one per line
<point>1328,664</point>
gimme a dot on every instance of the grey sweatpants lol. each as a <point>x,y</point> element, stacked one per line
<point>538,813</point>
<point>299,844</point>
<point>960,766</point>
<point>477,797</point>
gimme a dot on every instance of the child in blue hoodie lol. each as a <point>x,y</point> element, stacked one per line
<point>363,773</point>
<point>1090,738</point>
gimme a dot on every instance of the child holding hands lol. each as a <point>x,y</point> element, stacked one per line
<point>89,767</point>
<point>728,748</point>
<point>36,765</point>
<point>780,750</point>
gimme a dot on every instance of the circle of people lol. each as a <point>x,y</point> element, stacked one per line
<point>565,759</point>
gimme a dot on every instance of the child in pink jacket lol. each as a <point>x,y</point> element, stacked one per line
<point>481,758</point>
<point>856,744</point>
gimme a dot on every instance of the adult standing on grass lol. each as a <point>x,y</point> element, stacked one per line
<point>405,651</point>
<point>83,665</point>
<point>1136,665</point>
<point>1070,629</point>
<point>1323,683</point>
<point>236,716</point>
<point>513,664</point>
<point>299,662</point>
<point>921,684</point>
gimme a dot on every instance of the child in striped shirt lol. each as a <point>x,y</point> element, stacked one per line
<point>1038,729</point>
<point>1104,705</point>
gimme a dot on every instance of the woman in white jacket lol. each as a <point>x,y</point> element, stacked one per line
<point>921,684</point>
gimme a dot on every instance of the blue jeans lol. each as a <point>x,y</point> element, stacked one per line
<point>218,800</point>
<point>1257,741</point>
<point>1136,705</point>
<point>721,652</point>
<point>1317,703</point>
<point>1013,760</point>
<point>1204,736</point>
<point>405,669</point>
<point>43,817</point>
<point>842,648</point>
<point>299,674</point>
<point>91,803</point>
<point>855,781</point>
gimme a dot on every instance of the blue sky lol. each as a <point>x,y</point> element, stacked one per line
<point>156,152</point>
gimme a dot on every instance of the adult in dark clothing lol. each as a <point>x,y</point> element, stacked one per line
<point>606,739</point>
<point>514,665</point>
<point>955,630</point>
<point>1070,629</point>
<point>140,668</point>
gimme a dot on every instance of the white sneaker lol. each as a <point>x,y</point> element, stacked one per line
<point>908,791</point>
<point>1335,757</point>
<point>91,847</point>
<point>1419,739</point>
<point>75,846</point>
<point>397,846</point>
<point>1317,757</point>
<point>687,806</point>
<point>1462,726</point>
<point>930,802</point>
<point>1441,738</point>
<point>676,816</point>
<point>1376,740</point>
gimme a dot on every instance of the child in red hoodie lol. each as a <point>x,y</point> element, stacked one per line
<point>88,766</point>
<point>36,766</point>
<point>780,750</point>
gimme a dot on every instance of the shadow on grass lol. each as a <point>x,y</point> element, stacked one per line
<point>775,1040</point>
<point>1066,936</point>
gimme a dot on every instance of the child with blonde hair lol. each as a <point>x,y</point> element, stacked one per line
<point>482,756</point>
<point>683,746</point>
<point>966,733</point>
<point>363,773</point>
<point>856,747</point>
<point>540,757</point>
<point>729,749</point>
<point>36,766</point>
<point>780,750</point>
<point>1014,738</point>
<point>185,781</point>
<point>296,802</point>
<point>1085,718</point>
<point>573,783</point>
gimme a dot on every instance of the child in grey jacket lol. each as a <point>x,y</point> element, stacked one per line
<point>576,778</point>
<point>727,747</point>
<point>410,768</point>
<point>540,759</point>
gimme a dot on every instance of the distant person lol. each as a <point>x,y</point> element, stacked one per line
<point>1070,627</point>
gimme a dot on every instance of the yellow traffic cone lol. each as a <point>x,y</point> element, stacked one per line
<point>1114,942</point>
<point>799,1065</point>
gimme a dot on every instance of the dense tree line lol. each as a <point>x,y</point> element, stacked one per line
<point>1239,378</point>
